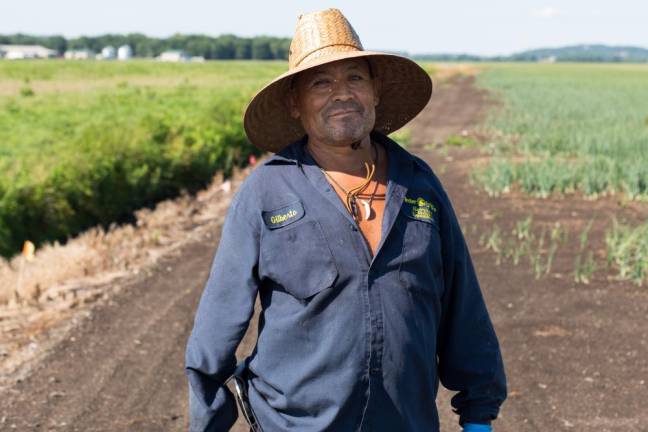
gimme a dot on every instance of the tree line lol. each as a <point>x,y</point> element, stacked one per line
<point>221,47</point>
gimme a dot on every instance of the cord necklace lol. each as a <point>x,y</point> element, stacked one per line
<point>352,194</point>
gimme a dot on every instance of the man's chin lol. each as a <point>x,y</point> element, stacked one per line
<point>346,140</point>
<point>348,137</point>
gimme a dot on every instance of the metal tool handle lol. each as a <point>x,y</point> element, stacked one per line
<point>242,400</point>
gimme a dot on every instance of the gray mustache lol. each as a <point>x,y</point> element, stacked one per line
<point>344,106</point>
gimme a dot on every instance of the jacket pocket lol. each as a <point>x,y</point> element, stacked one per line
<point>420,267</point>
<point>297,257</point>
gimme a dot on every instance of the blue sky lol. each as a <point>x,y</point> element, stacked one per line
<point>466,26</point>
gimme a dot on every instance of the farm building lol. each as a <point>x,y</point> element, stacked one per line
<point>173,56</point>
<point>80,54</point>
<point>548,59</point>
<point>108,53</point>
<point>124,52</point>
<point>14,52</point>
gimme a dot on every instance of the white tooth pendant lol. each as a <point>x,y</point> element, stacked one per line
<point>366,208</point>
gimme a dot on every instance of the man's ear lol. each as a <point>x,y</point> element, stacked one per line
<point>291,102</point>
<point>377,90</point>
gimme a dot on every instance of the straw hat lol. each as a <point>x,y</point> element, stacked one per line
<point>324,37</point>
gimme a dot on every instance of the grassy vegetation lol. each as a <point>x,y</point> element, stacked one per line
<point>568,127</point>
<point>83,143</point>
<point>627,250</point>
<point>402,136</point>
<point>524,241</point>
<point>462,140</point>
<point>584,266</point>
<point>216,73</point>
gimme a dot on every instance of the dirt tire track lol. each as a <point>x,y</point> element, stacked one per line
<point>124,368</point>
<point>456,105</point>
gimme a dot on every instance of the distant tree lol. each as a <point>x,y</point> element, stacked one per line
<point>199,45</point>
<point>242,49</point>
<point>280,48</point>
<point>142,45</point>
<point>57,43</point>
<point>82,42</point>
<point>261,49</point>
<point>223,47</point>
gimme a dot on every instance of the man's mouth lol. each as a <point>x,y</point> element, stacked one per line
<point>343,113</point>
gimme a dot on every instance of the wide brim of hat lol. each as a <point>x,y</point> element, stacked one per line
<point>406,89</point>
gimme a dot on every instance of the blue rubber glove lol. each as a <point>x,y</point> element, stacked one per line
<point>472,427</point>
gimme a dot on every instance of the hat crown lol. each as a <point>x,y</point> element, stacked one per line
<point>321,33</point>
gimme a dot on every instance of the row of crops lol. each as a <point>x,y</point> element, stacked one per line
<point>563,129</point>
<point>566,128</point>
<point>83,144</point>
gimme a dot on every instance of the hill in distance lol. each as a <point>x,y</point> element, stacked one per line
<point>574,53</point>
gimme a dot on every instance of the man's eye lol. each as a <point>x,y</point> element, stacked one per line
<point>356,78</point>
<point>320,83</point>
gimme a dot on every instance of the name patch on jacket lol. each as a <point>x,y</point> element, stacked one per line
<point>284,215</point>
<point>420,209</point>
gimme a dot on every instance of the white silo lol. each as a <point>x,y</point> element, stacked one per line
<point>124,52</point>
<point>108,53</point>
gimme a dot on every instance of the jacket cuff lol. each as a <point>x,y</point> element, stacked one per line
<point>220,416</point>
<point>478,414</point>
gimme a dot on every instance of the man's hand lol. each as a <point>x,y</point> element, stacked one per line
<point>472,427</point>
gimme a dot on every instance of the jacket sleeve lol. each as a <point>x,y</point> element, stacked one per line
<point>469,357</point>
<point>221,320</point>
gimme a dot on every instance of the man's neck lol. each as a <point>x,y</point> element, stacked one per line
<point>344,158</point>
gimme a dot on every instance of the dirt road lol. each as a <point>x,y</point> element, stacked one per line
<point>576,355</point>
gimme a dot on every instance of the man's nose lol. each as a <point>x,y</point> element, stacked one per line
<point>340,89</point>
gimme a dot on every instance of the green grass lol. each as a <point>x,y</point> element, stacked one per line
<point>86,143</point>
<point>218,72</point>
<point>402,136</point>
<point>38,130</point>
<point>627,250</point>
<point>461,141</point>
<point>524,241</point>
<point>568,127</point>
<point>565,128</point>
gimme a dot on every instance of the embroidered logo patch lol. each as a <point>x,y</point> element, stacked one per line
<point>284,215</point>
<point>419,209</point>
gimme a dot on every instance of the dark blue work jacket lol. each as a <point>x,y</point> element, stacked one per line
<point>346,342</point>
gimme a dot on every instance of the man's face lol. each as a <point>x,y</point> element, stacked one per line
<point>336,102</point>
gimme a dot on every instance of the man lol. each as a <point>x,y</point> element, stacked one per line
<point>367,289</point>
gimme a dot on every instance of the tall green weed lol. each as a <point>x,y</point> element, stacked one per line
<point>71,160</point>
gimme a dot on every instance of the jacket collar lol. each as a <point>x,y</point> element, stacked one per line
<point>294,153</point>
<point>399,173</point>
